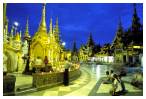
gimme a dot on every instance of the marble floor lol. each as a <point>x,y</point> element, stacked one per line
<point>88,84</point>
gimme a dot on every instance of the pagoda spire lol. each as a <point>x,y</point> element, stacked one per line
<point>120,28</point>
<point>42,26</point>
<point>27,29</point>
<point>118,42</point>
<point>136,29</point>
<point>135,12</point>
<point>120,22</point>
<point>5,21</point>
<point>51,26</point>
<point>57,30</point>
<point>90,42</point>
<point>135,21</point>
<point>12,32</point>
<point>74,50</point>
<point>56,26</point>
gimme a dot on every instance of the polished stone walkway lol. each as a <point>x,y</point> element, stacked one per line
<point>101,89</point>
<point>22,81</point>
<point>82,86</point>
<point>62,90</point>
<point>88,84</point>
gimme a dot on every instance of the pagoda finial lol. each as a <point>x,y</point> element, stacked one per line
<point>56,26</point>
<point>90,41</point>
<point>51,26</point>
<point>27,29</point>
<point>120,24</point>
<point>42,26</point>
<point>135,12</point>
<point>118,38</point>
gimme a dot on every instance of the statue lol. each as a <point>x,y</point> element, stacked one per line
<point>5,58</point>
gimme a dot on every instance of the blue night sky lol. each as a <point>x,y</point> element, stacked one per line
<point>76,21</point>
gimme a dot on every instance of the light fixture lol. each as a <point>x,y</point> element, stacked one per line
<point>63,43</point>
<point>16,23</point>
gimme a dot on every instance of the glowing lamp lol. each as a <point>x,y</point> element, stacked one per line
<point>63,43</point>
<point>16,23</point>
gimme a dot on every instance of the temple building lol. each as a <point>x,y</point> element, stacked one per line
<point>46,44</point>
<point>128,45</point>
<point>117,44</point>
<point>87,51</point>
<point>83,55</point>
<point>43,44</point>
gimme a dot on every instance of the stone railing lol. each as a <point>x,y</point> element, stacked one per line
<point>47,79</point>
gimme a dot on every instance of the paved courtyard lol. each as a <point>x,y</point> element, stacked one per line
<point>88,84</point>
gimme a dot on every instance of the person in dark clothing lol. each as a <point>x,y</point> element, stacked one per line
<point>66,74</point>
<point>66,77</point>
<point>123,91</point>
<point>111,75</point>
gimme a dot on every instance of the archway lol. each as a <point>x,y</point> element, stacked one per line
<point>38,51</point>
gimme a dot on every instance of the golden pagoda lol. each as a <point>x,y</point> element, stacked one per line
<point>45,44</point>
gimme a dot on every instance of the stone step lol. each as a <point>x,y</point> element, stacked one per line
<point>24,90</point>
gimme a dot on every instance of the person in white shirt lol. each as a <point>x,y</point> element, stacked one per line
<point>116,86</point>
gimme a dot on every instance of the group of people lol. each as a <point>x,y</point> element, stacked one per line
<point>67,66</point>
<point>38,61</point>
<point>118,87</point>
<point>39,65</point>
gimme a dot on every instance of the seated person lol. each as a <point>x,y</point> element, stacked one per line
<point>107,80</point>
<point>38,62</point>
<point>115,85</point>
<point>111,75</point>
<point>118,87</point>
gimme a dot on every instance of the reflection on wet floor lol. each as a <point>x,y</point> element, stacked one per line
<point>87,84</point>
<point>97,70</point>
